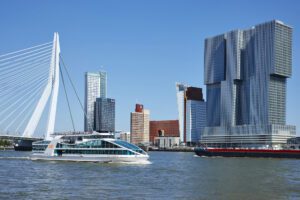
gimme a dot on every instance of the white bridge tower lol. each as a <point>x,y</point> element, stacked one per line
<point>51,89</point>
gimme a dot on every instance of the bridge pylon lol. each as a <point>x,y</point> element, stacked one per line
<point>51,89</point>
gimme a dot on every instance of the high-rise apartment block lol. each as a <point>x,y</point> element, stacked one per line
<point>105,115</point>
<point>95,87</point>
<point>139,125</point>
<point>192,113</point>
<point>245,73</point>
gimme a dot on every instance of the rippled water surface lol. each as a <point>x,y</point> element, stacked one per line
<point>170,176</point>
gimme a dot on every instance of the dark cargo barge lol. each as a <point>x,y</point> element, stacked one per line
<point>24,144</point>
<point>257,153</point>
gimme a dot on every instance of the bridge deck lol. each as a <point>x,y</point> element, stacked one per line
<point>11,137</point>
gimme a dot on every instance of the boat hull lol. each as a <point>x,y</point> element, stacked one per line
<point>256,153</point>
<point>100,159</point>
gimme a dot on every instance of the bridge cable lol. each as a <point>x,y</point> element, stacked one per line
<point>18,105</point>
<point>19,76</point>
<point>19,92</point>
<point>15,52</point>
<point>24,74</point>
<point>25,53</point>
<point>63,81</point>
<point>27,57</point>
<point>25,64</point>
<point>20,113</point>
<point>23,80</point>
<point>73,86</point>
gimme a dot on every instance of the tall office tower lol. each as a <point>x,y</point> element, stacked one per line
<point>192,113</point>
<point>180,93</point>
<point>245,76</point>
<point>195,120</point>
<point>95,87</point>
<point>139,125</point>
<point>104,115</point>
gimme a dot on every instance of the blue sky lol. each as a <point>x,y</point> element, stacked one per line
<point>145,46</point>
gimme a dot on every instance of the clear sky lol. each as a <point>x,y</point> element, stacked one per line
<point>145,46</point>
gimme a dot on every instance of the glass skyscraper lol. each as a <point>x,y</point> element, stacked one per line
<point>192,113</point>
<point>245,75</point>
<point>95,87</point>
<point>195,120</point>
<point>105,115</point>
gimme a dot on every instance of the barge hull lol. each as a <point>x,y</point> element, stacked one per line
<point>23,145</point>
<point>248,153</point>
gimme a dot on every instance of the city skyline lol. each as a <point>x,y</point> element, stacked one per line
<point>127,56</point>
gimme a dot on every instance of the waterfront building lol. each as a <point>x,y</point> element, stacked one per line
<point>167,128</point>
<point>293,143</point>
<point>180,93</point>
<point>245,72</point>
<point>192,113</point>
<point>139,125</point>
<point>166,141</point>
<point>117,134</point>
<point>95,87</point>
<point>105,115</point>
<point>125,136</point>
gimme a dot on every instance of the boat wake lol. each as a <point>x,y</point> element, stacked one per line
<point>145,162</point>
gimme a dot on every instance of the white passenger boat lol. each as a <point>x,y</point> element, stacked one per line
<point>94,147</point>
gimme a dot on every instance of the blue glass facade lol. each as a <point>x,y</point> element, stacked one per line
<point>245,76</point>
<point>192,113</point>
<point>105,115</point>
<point>95,87</point>
<point>195,120</point>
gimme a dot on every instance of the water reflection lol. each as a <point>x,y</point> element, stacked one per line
<point>170,176</point>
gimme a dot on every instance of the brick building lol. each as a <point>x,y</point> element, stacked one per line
<point>167,128</point>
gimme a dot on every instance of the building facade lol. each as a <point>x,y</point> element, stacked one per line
<point>180,94</point>
<point>104,115</point>
<point>167,128</point>
<point>139,125</point>
<point>125,136</point>
<point>245,75</point>
<point>166,142</point>
<point>195,120</point>
<point>95,87</point>
<point>192,113</point>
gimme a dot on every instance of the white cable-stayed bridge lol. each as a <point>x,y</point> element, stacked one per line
<point>29,80</point>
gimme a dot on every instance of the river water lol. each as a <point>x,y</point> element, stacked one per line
<point>170,176</point>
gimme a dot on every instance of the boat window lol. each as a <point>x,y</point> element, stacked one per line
<point>106,144</point>
<point>130,146</point>
<point>103,152</point>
